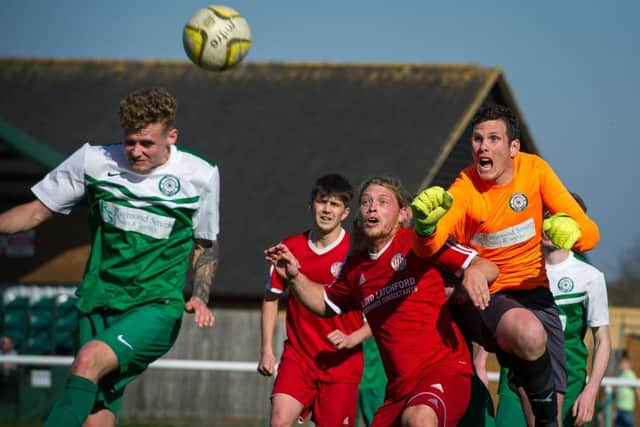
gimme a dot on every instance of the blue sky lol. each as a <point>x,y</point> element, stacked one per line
<point>573,66</point>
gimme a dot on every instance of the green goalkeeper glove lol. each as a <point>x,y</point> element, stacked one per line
<point>562,230</point>
<point>428,207</point>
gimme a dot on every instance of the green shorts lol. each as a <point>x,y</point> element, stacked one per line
<point>138,337</point>
<point>480,411</point>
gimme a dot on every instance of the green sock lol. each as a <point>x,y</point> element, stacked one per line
<point>75,405</point>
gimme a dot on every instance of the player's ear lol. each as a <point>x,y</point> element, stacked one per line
<point>172,135</point>
<point>403,216</point>
<point>345,214</point>
<point>514,147</point>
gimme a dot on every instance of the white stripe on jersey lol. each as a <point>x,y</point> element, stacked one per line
<point>145,203</point>
<point>470,253</point>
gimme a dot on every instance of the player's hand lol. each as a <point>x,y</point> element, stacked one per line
<point>428,207</point>
<point>267,364</point>
<point>201,313</point>
<point>582,409</point>
<point>339,340</point>
<point>477,287</point>
<point>562,230</point>
<point>283,261</point>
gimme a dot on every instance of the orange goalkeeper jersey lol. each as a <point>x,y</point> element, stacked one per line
<point>503,223</point>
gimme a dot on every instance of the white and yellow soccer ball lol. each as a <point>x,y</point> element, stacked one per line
<point>216,38</point>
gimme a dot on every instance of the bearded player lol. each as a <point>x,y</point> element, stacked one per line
<point>403,298</point>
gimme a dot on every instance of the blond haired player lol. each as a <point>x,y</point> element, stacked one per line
<point>150,206</point>
<point>495,206</point>
<point>403,298</point>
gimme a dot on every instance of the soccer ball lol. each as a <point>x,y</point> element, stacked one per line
<point>216,38</point>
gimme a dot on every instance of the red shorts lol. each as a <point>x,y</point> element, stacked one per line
<point>331,403</point>
<point>445,392</point>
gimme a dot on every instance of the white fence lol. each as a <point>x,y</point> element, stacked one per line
<point>218,365</point>
<point>609,383</point>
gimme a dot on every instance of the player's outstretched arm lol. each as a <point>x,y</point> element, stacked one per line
<point>585,403</point>
<point>310,293</point>
<point>24,217</point>
<point>428,207</point>
<point>206,255</point>
<point>269,317</point>
<point>562,230</point>
<point>340,340</point>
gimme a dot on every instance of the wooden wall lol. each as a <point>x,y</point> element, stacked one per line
<point>207,398</point>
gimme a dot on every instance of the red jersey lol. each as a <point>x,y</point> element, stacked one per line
<point>403,297</point>
<point>306,331</point>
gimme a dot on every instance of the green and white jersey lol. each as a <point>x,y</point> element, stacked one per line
<point>142,225</point>
<point>580,292</point>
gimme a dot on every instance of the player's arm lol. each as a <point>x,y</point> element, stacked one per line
<point>24,217</point>
<point>269,317</point>
<point>584,406</point>
<point>560,201</point>
<point>206,255</point>
<point>340,340</point>
<point>477,272</point>
<point>310,293</point>
<point>476,280</point>
<point>437,214</point>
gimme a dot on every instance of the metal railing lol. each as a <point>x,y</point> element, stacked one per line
<point>609,383</point>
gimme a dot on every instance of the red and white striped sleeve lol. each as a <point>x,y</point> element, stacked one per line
<point>275,284</point>
<point>454,257</point>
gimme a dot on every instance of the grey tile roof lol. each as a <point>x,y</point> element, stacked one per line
<point>271,127</point>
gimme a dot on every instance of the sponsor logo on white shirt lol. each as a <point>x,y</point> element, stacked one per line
<point>138,220</point>
<point>518,233</point>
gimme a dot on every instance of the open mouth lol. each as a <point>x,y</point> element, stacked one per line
<point>485,163</point>
<point>371,221</point>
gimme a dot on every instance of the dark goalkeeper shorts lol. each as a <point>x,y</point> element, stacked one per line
<point>481,325</point>
<point>137,336</point>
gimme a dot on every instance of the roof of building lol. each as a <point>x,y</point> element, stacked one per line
<point>272,128</point>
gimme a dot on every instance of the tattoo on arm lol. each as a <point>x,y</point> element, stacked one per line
<point>205,264</point>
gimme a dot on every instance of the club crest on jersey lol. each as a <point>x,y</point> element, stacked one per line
<point>398,262</point>
<point>518,202</point>
<point>169,185</point>
<point>565,284</point>
<point>362,279</point>
<point>335,268</point>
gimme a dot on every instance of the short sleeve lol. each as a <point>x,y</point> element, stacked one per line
<point>206,221</point>
<point>64,186</point>
<point>339,294</point>
<point>597,302</point>
<point>275,284</point>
